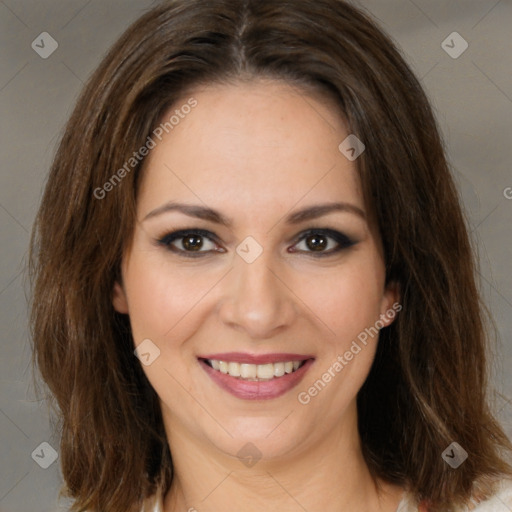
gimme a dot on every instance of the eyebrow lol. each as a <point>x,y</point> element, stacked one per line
<point>205,213</point>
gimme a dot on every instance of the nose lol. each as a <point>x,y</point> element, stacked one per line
<point>257,299</point>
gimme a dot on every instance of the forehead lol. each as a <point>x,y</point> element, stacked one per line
<point>267,144</point>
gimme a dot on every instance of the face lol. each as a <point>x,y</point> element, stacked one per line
<point>254,272</point>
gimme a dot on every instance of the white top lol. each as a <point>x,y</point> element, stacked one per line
<point>501,501</point>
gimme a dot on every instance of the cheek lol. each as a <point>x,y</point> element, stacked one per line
<point>346,300</point>
<point>348,304</point>
<point>167,307</point>
<point>162,301</point>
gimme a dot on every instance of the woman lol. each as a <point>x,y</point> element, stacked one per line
<point>253,281</point>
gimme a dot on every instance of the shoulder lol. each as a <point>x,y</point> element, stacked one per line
<point>499,501</point>
<point>154,503</point>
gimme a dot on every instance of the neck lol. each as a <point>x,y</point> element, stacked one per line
<point>328,475</point>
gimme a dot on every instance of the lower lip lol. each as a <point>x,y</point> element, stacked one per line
<point>257,390</point>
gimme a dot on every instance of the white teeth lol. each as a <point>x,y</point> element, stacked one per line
<point>278,369</point>
<point>255,371</point>
<point>234,369</point>
<point>248,371</point>
<point>265,371</point>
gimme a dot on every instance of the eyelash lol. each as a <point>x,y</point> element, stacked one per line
<point>343,241</point>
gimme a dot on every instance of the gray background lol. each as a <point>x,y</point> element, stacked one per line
<point>472,96</point>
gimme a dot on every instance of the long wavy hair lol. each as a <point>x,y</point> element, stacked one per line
<point>428,384</point>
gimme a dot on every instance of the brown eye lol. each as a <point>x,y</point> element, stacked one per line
<point>316,242</point>
<point>323,242</point>
<point>192,242</point>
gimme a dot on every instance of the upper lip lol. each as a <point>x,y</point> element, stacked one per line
<point>245,358</point>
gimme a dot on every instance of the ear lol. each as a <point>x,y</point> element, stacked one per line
<point>119,299</point>
<point>390,305</point>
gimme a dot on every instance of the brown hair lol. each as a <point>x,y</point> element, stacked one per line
<point>427,386</point>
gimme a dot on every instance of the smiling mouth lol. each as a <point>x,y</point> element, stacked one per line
<point>254,372</point>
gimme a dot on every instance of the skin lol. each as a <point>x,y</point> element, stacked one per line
<point>257,152</point>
